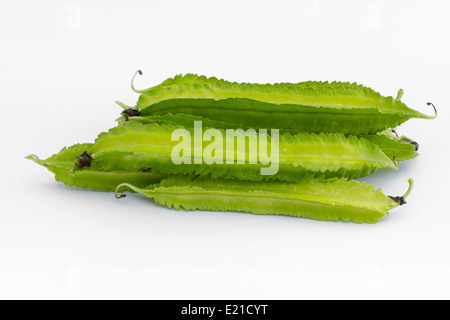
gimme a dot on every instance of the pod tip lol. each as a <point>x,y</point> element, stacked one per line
<point>118,188</point>
<point>132,81</point>
<point>401,200</point>
<point>399,94</point>
<point>435,110</point>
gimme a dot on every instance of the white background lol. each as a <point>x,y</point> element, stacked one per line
<point>63,63</point>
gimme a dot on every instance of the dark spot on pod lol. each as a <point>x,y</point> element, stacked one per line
<point>131,112</point>
<point>400,200</point>
<point>83,160</point>
<point>415,144</point>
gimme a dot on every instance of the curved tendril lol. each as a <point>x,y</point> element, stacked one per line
<point>117,191</point>
<point>121,186</point>
<point>394,132</point>
<point>395,162</point>
<point>401,200</point>
<point>435,110</point>
<point>411,185</point>
<point>132,82</point>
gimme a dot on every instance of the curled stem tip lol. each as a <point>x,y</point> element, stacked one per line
<point>132,82</point>
<point>402,199</point>
<point>122,186</point>
<point>435,110</point>
<point>117,191</point>
<point>410,187</point>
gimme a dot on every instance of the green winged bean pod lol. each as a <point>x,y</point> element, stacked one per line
<point>393,147</point>
<point>142,147</point>
<point>312,198</point>
<point>310,106</point>
<point>61,165</point>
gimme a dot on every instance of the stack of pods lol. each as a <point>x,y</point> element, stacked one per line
<point>198,143</point>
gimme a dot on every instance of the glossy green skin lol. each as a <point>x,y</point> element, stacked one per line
<point>388,143</point>
<point>61,165</point>
<point>307,106</point>
<point>137,147</point>
<point>312,198</point>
